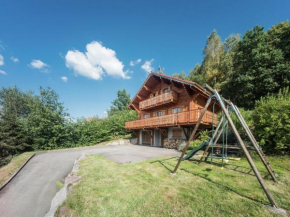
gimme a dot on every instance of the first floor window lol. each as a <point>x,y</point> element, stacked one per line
<point>176,110</point>
<point>159,114</point>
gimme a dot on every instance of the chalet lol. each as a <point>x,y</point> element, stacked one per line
<point>168,109</point>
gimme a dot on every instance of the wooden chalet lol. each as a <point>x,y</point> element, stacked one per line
<point>168,109</point>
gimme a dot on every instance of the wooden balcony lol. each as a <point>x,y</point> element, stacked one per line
<point>165,98</point>
<point>183,118</point>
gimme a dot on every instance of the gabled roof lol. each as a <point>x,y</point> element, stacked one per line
<point>153,75</point>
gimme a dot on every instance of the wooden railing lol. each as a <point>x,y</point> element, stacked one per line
<point>164,98</point>
<point>182,118</point>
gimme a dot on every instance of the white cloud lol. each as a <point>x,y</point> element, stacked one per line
<point>64,79</point>
<point>1,60</point>
<point>147,66</point>
<point>38,64</point>
<point>14,59</point>
<point>133,63</point>
<point>95,62</point>
<point>2,72</point>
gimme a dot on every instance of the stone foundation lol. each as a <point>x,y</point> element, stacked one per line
<point>173,143</point>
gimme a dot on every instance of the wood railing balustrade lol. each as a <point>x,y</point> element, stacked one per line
<point>164,98</point>
<point>188,117</point>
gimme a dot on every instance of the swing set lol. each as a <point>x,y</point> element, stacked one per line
<point>225,121</point>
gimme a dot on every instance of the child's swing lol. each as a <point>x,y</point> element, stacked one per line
<point>224,156</point>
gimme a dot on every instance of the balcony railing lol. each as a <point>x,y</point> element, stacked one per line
<point>162,99</point>
<point>182,118</point>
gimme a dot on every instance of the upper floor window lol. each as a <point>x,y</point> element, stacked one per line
<point>176,110</point>
<point>158,113</point>
<point>166,90</point>
<point>146,116</point>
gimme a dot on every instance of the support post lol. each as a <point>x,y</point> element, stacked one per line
<point>193,133</point>
<point>254,141</point>
<point>185,133</point>
<point>248,156</point>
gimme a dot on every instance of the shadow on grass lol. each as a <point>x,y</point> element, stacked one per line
<point>205,177</point>
<point>233,167</point>
<point>161,162</point>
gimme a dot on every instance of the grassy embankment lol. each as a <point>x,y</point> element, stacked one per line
<point>148,189</point>
<point>8,170</point>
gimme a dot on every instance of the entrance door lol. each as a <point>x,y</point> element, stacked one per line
<point>157,137</point>
<point>146,138</point>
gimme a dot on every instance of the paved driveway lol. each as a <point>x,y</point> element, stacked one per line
<point>30,193</point>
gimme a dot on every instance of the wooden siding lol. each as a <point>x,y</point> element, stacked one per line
<point>163,99</point>
<point>183,118</point>
<point>189,100</point>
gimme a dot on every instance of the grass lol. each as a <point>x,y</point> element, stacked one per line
<point>148,189</point>
<point>8,170</point>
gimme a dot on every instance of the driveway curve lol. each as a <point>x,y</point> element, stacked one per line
<point>30,193</point>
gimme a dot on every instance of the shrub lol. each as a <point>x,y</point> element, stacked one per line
<point>272,122</point>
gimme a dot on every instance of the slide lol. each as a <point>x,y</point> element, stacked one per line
<point>193,151</point>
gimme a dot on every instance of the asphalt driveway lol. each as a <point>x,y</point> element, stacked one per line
<point>30,193</point>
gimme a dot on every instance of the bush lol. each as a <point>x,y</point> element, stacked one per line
<point>100,130</point>
<point>271,117</point>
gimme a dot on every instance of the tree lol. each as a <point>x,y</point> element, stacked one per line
<point>211,65</point>
<point>120,103</point>
<point>180,75</point>
<point>13,138</point>
<point>46,121</point>
<point>230,47</point>
<point>279,38</point>
<point>196,75</point>
<point>257,69</point>
<point>271,117</point>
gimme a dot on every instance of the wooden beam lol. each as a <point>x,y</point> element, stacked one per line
<point>161,132</point>
<point>141,97</point>
<point>193,134</point>
<point>166,81</point>
<point>135,107</point>
<point>136,134</point>
<point>147,88</point>
<point>148,131</point>
<point>254,141</point>
<point>248,156</point>
<point>185,133</point>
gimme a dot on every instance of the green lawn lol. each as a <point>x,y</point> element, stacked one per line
<point>148,189</point>
<point>8,170</point>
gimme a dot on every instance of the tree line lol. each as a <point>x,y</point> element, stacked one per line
<point>31,122</point>
<point>254,73</point>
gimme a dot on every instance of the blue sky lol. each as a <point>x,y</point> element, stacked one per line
<point>44,43</point>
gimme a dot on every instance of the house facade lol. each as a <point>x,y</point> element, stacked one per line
<point>168,109</point>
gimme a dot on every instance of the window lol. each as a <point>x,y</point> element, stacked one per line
<point>176,110</point>
<point>165,90</point>
<point>146,116</point>
<point>158,113</point>
<point>177,133</point>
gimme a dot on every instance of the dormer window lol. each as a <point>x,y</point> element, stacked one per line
<point>166,90</point>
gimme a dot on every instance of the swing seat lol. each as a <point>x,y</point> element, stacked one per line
<point>216,157</point>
